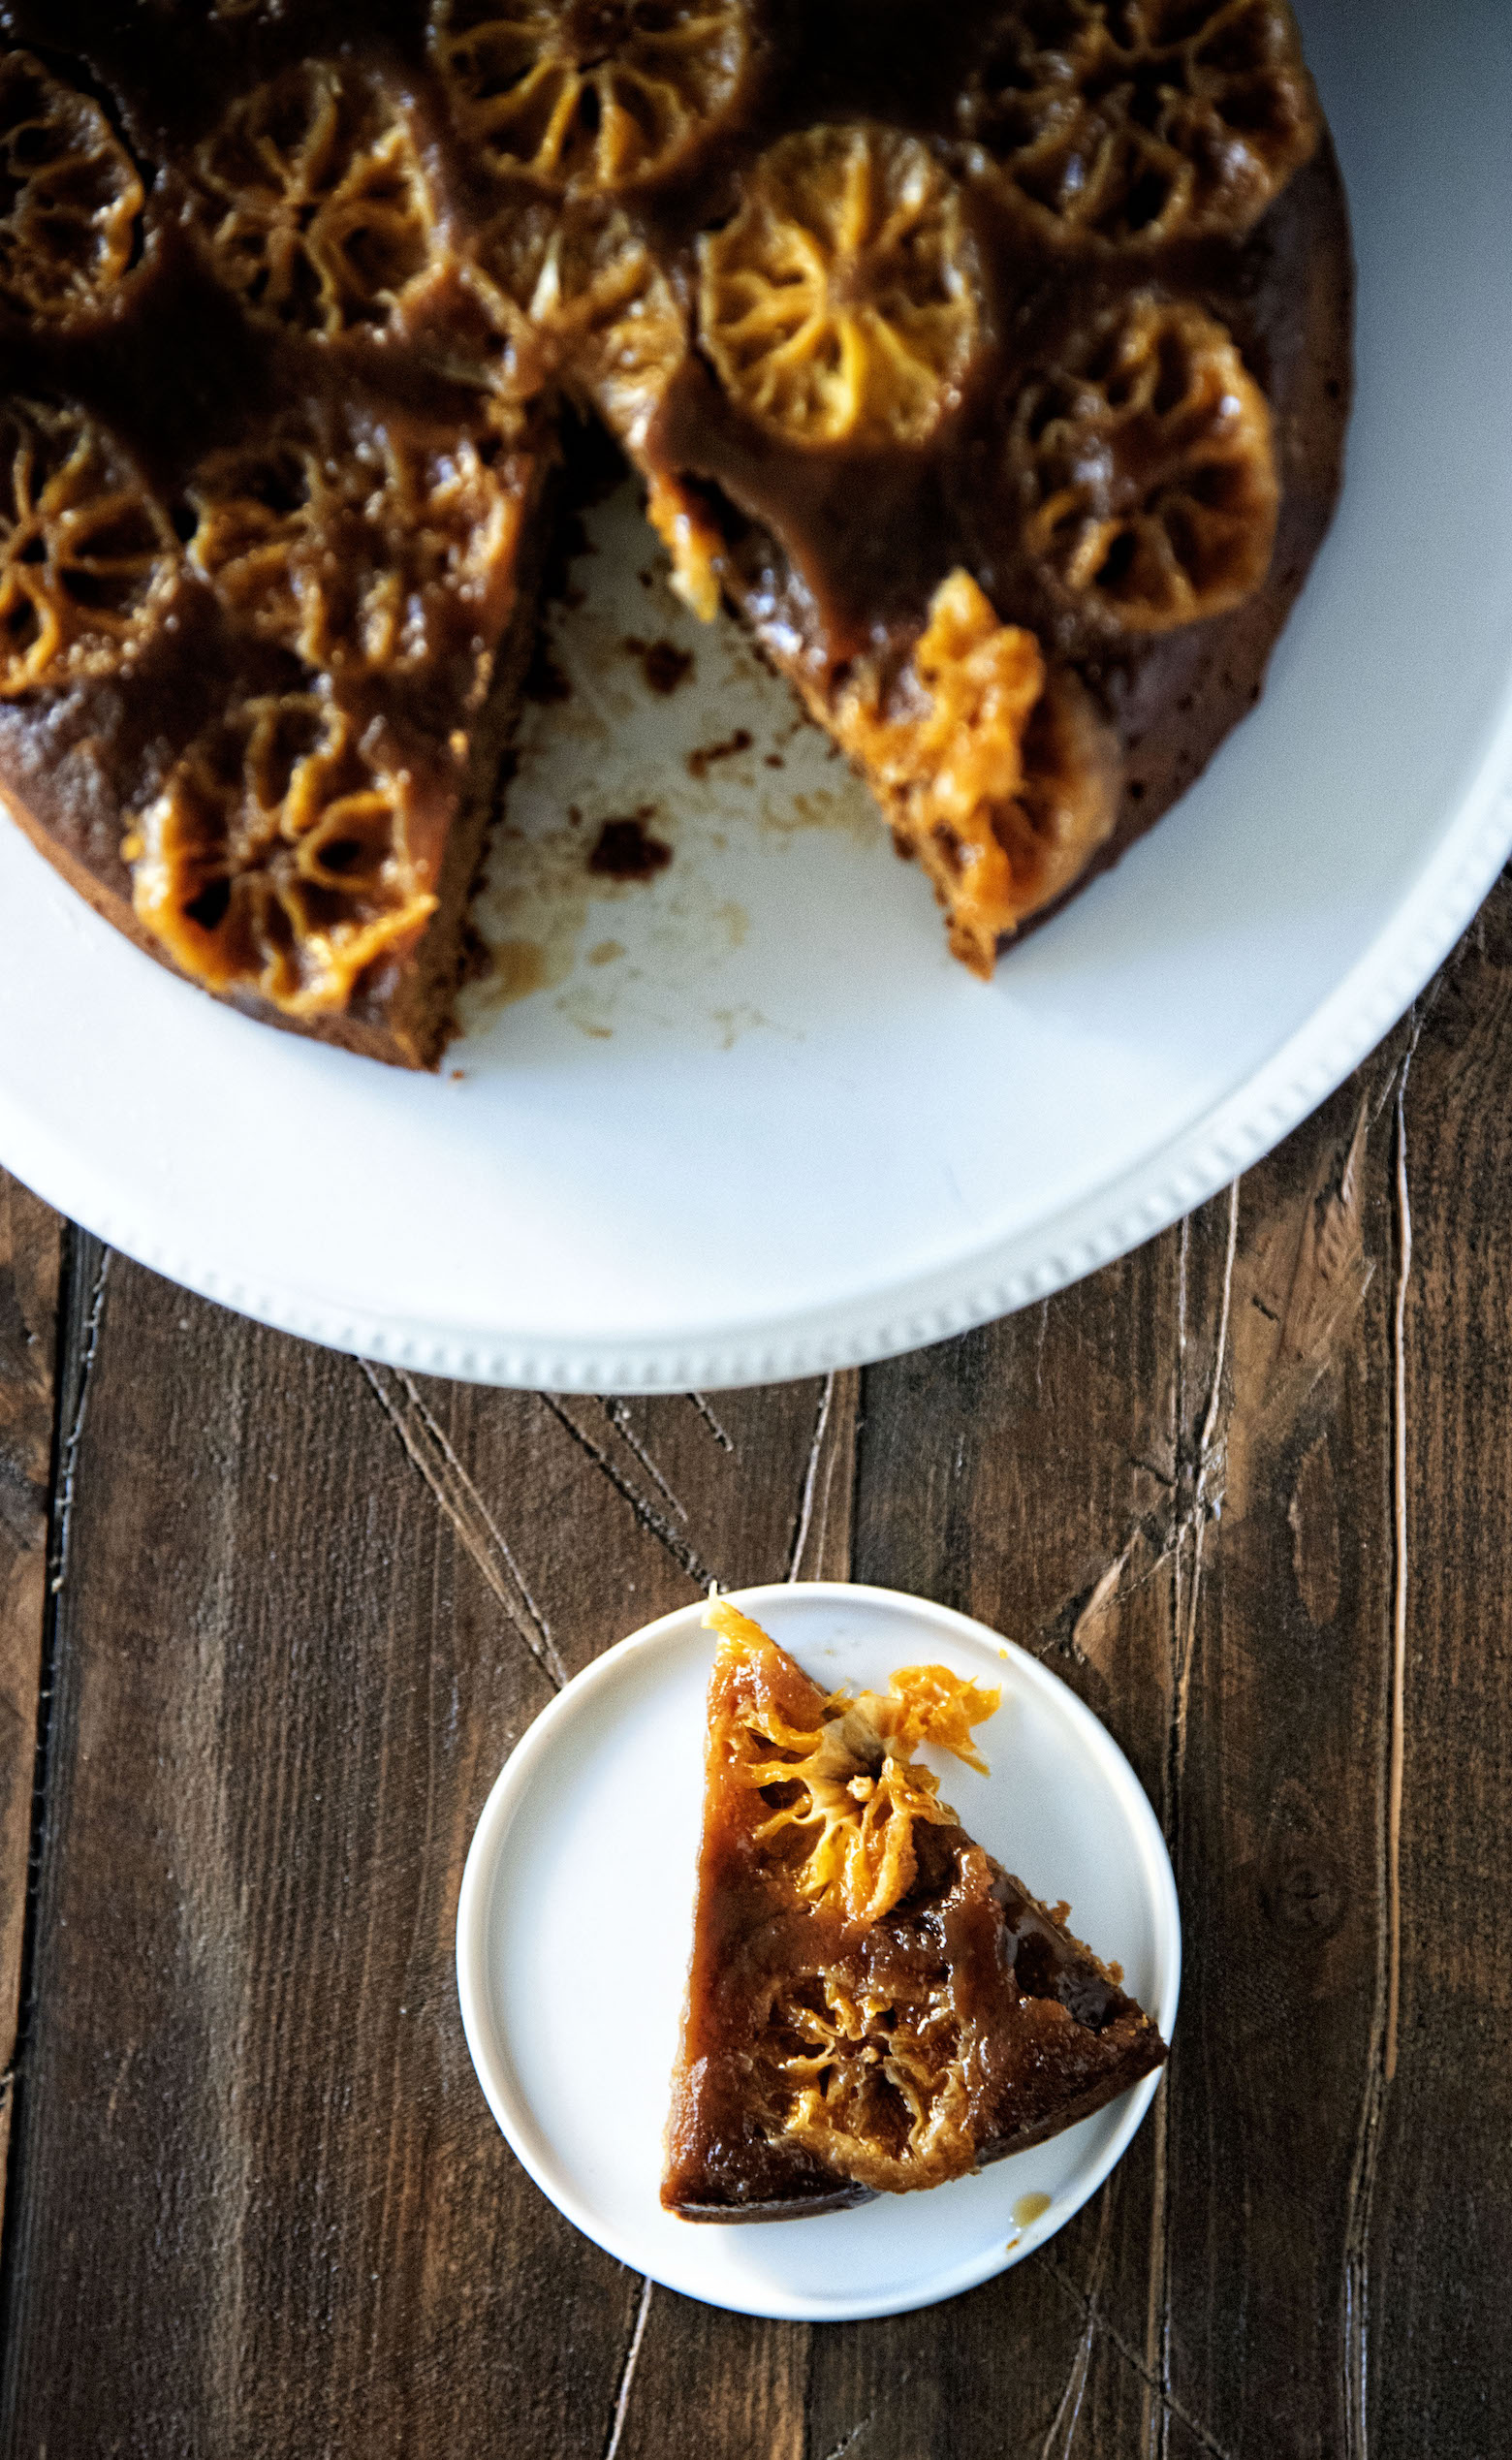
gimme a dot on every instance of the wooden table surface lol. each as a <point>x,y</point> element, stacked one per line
<point>270,1621</point>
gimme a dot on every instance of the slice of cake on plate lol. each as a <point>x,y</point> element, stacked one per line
<point>873,2003</point>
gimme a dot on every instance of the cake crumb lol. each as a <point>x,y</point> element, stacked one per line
<point>664,664</point>
<point>626,850</point>
<point>701,761</point>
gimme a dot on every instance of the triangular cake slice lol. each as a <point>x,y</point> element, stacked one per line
<point>873,2003</point>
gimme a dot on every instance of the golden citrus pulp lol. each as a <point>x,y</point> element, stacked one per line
<point>591,94</point>
<point>1146,468</point>
<point>1132,122</point>
<point>275,860</point>
<point>842,305</point>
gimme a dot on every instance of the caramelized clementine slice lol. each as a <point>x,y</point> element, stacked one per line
<point>276,858</point>
<point>592,94</point>
<point>317,208</point>
<point>1133,122</point>
<point>842,305</point>
<point>85,553</point>
<point>1145,468</point>
<point>995,771</point>
<point>577,297</point>
<point>70,197</point>
<point>365,545</point>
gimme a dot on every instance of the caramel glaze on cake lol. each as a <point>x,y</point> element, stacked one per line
<point>993,361</point>
<point>873,2004</point>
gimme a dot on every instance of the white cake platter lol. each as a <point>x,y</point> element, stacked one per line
<point>745,1119</point>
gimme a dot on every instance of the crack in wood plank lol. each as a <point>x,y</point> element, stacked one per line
<point>1398,1653</point>
<point>1156,2367</point>
<point>725,1442</point>
<point>69,1455</point>
<point>1041,1333</point>
<point>849,2439</point>
<point>806,1501</point>
<point>821,1542</point>
<point>1195,1519</point>
<point>1131,2358</point>
<point>1102,1593</point>
<point>1078,1615</point>
<point>76,1349</point>
<point>432,1454</point>
<point>656,1523</point>
<point>1061,2431</point>
<point>618,1415</point>
<point>1150,1545</point>
<point>1185,1599</point>
<point>1381,2057</point>
<point>622,2409</point>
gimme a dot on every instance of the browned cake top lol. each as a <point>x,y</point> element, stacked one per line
<point>951,341</point>
<point>873,2004</point>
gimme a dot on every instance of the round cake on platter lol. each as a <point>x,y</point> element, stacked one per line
<point>992,366</point>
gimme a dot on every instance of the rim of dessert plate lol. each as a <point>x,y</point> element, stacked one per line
<point>994,1280</point>
<point>489,1838</point>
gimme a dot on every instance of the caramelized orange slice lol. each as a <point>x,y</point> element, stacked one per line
<point>854,1789</point>
<point>276,859</point>
<point>1145,468</point>
<point>1133,122</point>
<point>842,304</point>
<point>367,547</point>
<point>592,94</point>
<point>996,772</point>
<point>318,211</point>
<point>70,197</point>
<point>577,297</point>
<point>87,554</point>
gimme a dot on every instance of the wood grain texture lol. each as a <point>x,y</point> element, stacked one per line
<point>1246,1491</point>
<point>305,1611</point>
<point>1434,2348</point>
<point>30,1256</point>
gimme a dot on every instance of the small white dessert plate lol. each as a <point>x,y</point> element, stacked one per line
<point>576,1920</point>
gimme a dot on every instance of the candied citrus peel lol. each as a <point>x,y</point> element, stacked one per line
<point>1147,466</point>
<point>86,552</point>
<point>1131,125</point>
<point>593,95</point>
<point>276,858</point>
<point>72,199</point>
<point>997,773</point>
<point>318,211</point>
<point>860,1789</point>
<point>840,305</point>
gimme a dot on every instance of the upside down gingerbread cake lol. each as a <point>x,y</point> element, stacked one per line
<point>992,362</point>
